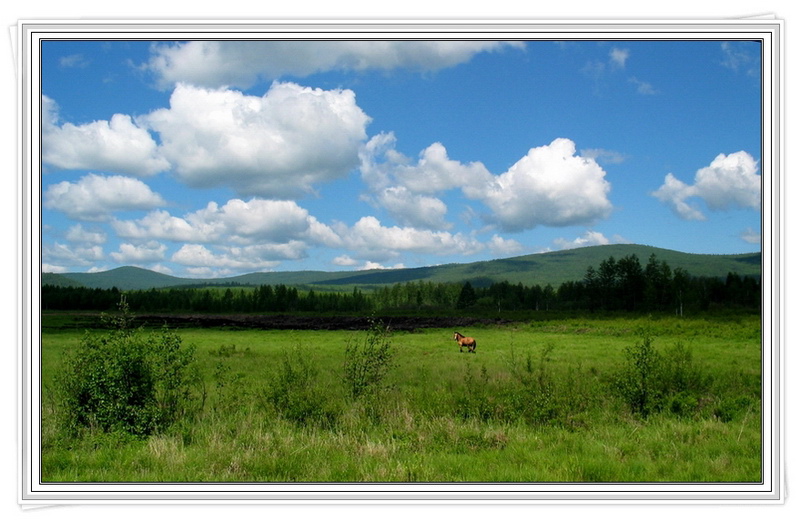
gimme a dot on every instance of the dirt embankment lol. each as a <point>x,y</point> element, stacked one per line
<point>294,322</point>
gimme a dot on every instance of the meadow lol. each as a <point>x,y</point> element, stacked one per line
<point>616,398</point>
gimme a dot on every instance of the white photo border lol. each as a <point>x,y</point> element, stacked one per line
<point>32,491</point>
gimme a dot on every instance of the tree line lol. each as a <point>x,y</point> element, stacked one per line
<point>615,285</point>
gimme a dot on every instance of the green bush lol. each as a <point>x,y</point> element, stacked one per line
<point>652,381</point>
<point>295,391</point>
<point>536,399</point>
<point>367,363</point>
<point>477,400</point>
<point>127,380</point>
<point>640,382</point>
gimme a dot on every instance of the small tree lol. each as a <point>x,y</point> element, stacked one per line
<point>127,380</point>
<point>639,382</point>
<point>366,364</point>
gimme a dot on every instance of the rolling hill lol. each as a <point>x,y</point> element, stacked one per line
<point>546,268</point>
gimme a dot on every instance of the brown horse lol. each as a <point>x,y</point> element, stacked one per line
<point>469,342</point>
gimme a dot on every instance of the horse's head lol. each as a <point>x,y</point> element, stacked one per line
<point>456,335</point>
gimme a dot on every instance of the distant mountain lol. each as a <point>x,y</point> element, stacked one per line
<point>547,268</point>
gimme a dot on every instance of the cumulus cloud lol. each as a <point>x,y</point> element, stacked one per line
<point>149,252</point>
<point>258,234</point>
<point>501,246</point>
<point>237,259</point>
<point>730,181</point>
<point>406,188</point>
<point>550,186</point>
<point>118,145</point>
<point>435,172</point>
<point>372,265</point>
<point>369,239</point>
<point>78,234</point>
<point>589,238</point>
<point>95,197</point>
<point>414,210</point>
<point>382,166</point>
<point>276,145</point>
<point>241,64</point>
<point>344,260</point>
<point>237,221</point>
<point>58,256</point>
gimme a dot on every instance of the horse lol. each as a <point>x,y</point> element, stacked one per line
<point>469,342</point>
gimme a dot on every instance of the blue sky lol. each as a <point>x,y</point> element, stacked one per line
<point>219,158</point>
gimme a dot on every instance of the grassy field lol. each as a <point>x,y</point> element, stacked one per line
<point>541,401</point>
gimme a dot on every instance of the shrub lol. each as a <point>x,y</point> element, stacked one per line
<point>367,363</point>
<point>294,391</point>
<point>639,383</point>
<point>537,399</point>
<point>127,380</point>
<point>476,402</point>
<point>651,380</point>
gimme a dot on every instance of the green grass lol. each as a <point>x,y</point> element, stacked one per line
<point>534,404</point>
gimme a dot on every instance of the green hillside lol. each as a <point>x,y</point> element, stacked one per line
<point>547,268</point>
<point>58,280</point>
<point>557,267</point>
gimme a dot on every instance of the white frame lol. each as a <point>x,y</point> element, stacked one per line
<point>771,490</point>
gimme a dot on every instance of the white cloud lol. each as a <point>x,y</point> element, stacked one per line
<point>162,268</point>
<point>372,265</point>
<point>605,156</point>
<point>74,60</point>
<point>77,234</point>
<point>414,210</point>
<point>501,246</point>
<point>237,221</point>
<point>589,238</point>
<point>382,166</point>
<point>730,181</point>
<point>549,186</point>
<point>436,172</point>
<point>642,87</point>
<point>405,189</point>
<point>369,239</point>
<point>118,145</point>
<point>751,236</point>
<point>95,197</point>
<point>618,56</point>
<point>344,260</point>
<point>736,56</point>
<point>674,193</point>
<point>159,224</point>
<point>236,259</point>
<point>276,145</point>
<point>59,255</point>
<point>218,63</point>
<point>149,252</point>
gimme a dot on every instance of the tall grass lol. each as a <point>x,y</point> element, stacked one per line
<point>538,404</point>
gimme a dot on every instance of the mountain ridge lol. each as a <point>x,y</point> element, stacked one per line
<point>542,268</point>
